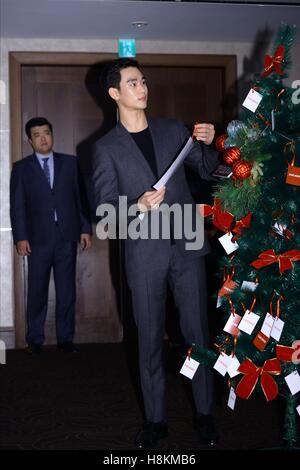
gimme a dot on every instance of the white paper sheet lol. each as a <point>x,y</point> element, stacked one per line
<point>179,159</point>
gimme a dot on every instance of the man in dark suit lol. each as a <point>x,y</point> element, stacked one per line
<point>127,162</point>
<point>47,221</point>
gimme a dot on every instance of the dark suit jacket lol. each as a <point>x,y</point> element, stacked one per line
<point>33,202</point>
<point>121,169</point>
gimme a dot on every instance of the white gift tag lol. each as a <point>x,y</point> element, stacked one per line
<point>222,363</point>
<point>293,382</point>
<point>189,367</point>
<point>279,228</point>
<point>231,399</point>
<point>252,100</point>
<point>232,324</point>
<point>219,301</point>
<point>249,286</point>
<point>298,409</point>
<point>248,322</point>
<point>227,244</point>
<point>277,329</point>
<point>268,325</point>
<point>233,366</point>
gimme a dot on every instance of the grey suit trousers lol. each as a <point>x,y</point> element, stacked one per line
<point>187,280</point>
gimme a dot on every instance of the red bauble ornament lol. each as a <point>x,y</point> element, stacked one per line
<point>231,155</point>
<point>242,170</point>
<point>220,142</point>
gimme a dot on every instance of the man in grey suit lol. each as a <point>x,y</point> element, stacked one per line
<point>127,162</point>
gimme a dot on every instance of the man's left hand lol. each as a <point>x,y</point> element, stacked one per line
<point>204,132</point>
<point>85,241</point>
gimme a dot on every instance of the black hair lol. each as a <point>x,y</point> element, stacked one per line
<point>112,73</point>
<point>34,122</point>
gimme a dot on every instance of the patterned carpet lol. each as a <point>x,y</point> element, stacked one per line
<point>89,401</point>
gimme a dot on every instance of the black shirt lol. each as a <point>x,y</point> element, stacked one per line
<point>143,140</point>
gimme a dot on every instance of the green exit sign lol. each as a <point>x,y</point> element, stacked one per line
<point>127,48</point>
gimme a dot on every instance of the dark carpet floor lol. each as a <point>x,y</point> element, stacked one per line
<point>89,401</point>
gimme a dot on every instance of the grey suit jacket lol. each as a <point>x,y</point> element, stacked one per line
<point>121,169</point>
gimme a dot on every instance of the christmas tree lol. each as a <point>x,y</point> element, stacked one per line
<point>257,209</point>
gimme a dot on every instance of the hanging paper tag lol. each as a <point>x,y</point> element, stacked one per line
<point>233,366</point>
<point>249,286</point>
<point>260,341</point>
<point>248,322</point>
<point>232,323</point>
<point>277,329</point>
<point>252,100</point>
<point>293,175</point>
<point>293,382</point>
<point>227,288</point>
<point>222,363</point>
<point>267,325</point>
<point>231,399</point>
<point>279,228</point>
<point>189,367</point>
<point>227,244</point>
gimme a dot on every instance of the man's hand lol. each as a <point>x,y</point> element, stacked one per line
<point>85,241</point>
<point>151,200</point>
<point>204,132</point>
<point>23,248</point>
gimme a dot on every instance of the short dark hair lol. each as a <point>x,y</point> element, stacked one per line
<point>112,73</point>
<point>34,122</point>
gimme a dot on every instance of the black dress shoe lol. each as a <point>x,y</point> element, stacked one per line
<point>67,347</point>
<point>206,430</point>
<point>150,434</point>
<point>34,349</point>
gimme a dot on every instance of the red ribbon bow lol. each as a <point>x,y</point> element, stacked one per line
<point>242,224</point>
<point>274,63</point>
<point>252,373</point>
<point>269,257</point>
<point>223,220</point>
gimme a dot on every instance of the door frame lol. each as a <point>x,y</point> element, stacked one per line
<point>19,59</point>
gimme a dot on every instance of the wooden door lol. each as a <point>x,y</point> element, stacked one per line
<point>191,94</point>
<point>60,94</point>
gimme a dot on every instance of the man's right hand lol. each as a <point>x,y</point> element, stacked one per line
<point>151,200</point>
<point>23,248</point>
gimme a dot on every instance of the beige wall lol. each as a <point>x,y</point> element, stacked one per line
<point>241,50</point>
